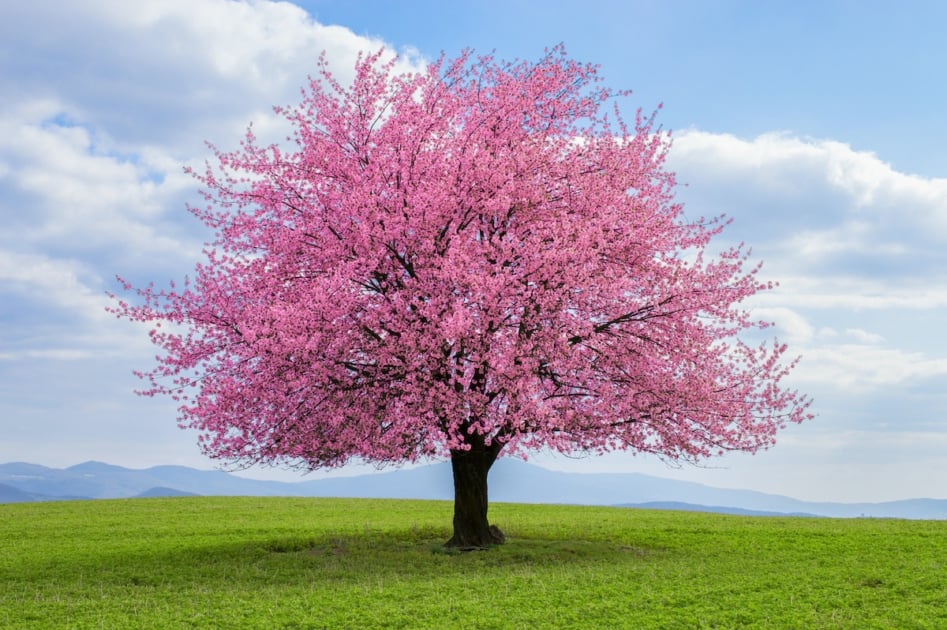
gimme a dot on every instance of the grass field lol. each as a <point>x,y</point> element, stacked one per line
<point>330,563</point>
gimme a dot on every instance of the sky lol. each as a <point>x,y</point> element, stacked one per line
<point>817,126</point>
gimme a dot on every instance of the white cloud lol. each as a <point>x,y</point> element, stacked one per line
<point>863,366</point>
<point>829,196</point>
<point>56,354</point>
<point>856,246</point>
<point>87,202</point>
<point>850,237</point>
<point>99,117</point>
<point>928,290</point>
<point>171,73</point>
<point>790,325</point>
<point>864,336</point>
<point>841,231</point>
<point>62,283</point>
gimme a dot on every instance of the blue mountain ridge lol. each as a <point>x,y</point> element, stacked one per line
<point>511,480</point>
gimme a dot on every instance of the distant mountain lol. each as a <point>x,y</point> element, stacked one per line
<point>688,507</point>
<point>163,492</point>
<point>9,494</point>
<point>96,480</point>
<point>510,481</point>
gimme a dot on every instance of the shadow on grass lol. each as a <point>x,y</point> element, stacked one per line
<point>259,559</point>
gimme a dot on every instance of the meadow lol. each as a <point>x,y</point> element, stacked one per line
<point>247,562</point>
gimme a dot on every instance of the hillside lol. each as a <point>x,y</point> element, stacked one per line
<point>511,481</point>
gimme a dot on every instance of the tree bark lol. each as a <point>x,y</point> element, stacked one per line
<point>472,530</point>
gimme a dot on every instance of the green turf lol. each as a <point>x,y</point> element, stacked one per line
<point>329,563</point>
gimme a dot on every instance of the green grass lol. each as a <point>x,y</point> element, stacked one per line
<point>328,563</point>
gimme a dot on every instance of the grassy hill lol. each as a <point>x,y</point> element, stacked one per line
<point>251,562</point>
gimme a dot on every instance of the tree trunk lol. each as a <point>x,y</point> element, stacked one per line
<point>471,528</point>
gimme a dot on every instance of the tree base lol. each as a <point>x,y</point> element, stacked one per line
<point>477,542</point>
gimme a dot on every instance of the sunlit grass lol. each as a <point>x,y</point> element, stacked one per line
<point>336,563</point>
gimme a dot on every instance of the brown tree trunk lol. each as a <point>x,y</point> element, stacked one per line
<point>472,530</point>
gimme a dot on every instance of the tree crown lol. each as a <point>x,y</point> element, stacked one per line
<point>482,255</point>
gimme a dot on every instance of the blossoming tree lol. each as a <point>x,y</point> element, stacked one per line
<point>476,259</point>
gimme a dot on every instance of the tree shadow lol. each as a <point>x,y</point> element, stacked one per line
<point>276,560</point>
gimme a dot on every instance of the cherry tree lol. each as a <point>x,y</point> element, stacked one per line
<point>480,258</point>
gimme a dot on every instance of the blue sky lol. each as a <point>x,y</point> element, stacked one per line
<point>817,126</point>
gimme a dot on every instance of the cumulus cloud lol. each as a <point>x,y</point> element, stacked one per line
<point>859,366</point>
<point>857,247</point>
<point>826,289</point>
<point>838,227</point>
<point>104,105</point>
<point>61,282</point>
<point>101,114</point>
<point>864,336</point>
<point>82,196</point>
<point>790,325</point>
<point>58,312</point>
<point>820,200</point>
<point>170,72</point>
